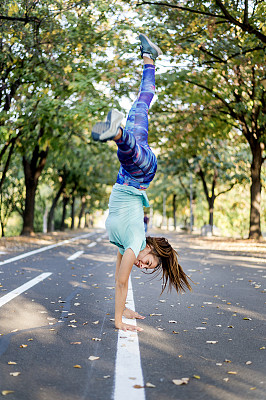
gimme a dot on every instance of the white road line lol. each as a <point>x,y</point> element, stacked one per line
<point>92,244</point>
<point>30,253</point>
<point>16,292</point>
<point>128,363</point>
<point>75,255</point>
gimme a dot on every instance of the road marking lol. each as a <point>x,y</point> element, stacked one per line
<point>75,255</point>
<point>16,292</point>
<point>92,244</point>
<point>30,253</point>
<point>128,363</point>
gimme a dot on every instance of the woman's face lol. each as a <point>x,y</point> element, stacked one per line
<point>146,259</point>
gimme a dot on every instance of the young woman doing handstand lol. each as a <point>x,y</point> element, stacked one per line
<point>125,223</point>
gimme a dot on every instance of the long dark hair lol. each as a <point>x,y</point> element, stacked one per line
<point>172,272</point>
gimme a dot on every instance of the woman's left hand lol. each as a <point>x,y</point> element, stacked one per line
<point>132,314</point>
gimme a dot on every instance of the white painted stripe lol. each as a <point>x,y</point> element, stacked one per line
<point>128,363</point>
<point>92,244</point>
<point>16,292</point>
<point>75,255</point>
<point>30,253</point>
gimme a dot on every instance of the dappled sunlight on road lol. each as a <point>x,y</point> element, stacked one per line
<point>25,315</point>
<point>242,311</point>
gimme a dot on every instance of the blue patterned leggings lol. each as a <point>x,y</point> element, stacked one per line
<point>138,163</point>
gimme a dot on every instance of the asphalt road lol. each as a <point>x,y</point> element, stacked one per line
<point>215,336</point>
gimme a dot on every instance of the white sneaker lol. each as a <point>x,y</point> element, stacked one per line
<point>107,130</point>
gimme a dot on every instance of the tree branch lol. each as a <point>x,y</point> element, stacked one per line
<point>245,26</point>
<point>231,111</point>
<point>181,8</point>
<point>26,19</point>
<point>227,190</point>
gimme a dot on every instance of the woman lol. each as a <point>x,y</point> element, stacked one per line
<point>125,223</point>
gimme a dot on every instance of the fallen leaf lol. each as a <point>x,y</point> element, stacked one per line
<point>96,339</point>
<point>182,381</point>
<point>232,372</point>
<point>175,332</point>
<point>227,361</point>
<point>247,319</point>
<point>75,343</point>
<point>5,392</point>
<point>15,373</point>
<point>23,346</point>
<point>149,385</point>
<point>196,376</point>
<point>12,363</point>
<point>138,386</point>
<point>77,366</point>
<point>93,358</point>
<point>252,388</point>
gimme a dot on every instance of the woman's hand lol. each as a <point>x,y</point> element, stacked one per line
<point>132,314</point>
<point>126,327</point>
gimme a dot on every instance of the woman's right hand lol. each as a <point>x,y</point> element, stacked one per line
<point>127,327</point>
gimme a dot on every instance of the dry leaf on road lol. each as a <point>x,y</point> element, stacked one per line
<point>149,385</point>
<point>93,358</point>
<point>182,381</point>
<point>15,373</point>
<point>5,392</point>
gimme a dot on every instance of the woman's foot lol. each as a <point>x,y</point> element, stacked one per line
<point>110,128</point>
<point>132,314</point>
<point>148,48</point>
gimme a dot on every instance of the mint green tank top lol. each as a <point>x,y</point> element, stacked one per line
<point>125,222</point>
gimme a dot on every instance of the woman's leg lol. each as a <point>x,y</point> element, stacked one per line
<point>136,158</point>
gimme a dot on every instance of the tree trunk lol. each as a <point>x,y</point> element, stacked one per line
<point>174,210</point>
<point>73,213</point>
<point>255,191</point>
<point>82,209</point>
<point>32,171</point>
<point>28,216</point>
<point>3,230</point>
<point>65,203</point>
<point>52,209</point>
<point>211,213</point>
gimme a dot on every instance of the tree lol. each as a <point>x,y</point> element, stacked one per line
<point>219,48</point>
<point>48,90</point>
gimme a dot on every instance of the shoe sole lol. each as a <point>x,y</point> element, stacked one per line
<point>154,46</point>
<point>103,131</point>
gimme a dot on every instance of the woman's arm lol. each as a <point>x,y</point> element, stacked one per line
<point>118,263</point>
<point>122,276</point>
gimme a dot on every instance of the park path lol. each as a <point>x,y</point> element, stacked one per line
<point>56,324</point>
